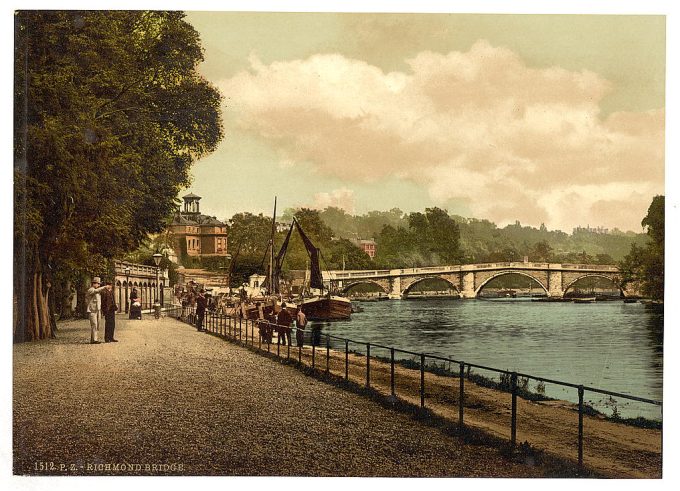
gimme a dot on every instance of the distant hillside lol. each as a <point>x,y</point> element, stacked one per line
<point>479,240</point>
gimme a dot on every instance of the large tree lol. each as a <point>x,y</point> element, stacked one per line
<point>109,114</point>
<point>644,265</point>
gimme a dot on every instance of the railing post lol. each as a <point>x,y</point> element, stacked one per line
<point>422,380</point>
<point>346,359</point>
<point>288,341</point>
<point>580,427</point>
<point>368,365</point>
<point>230,326</point>
<point>278,343</point>
<point>461,395</point>
<point>313,353</point>
<point>392,371</point>
<point>300,351</point>
<point>513,422</point>
<point>328,352</point>
<point>240,336</point>
<point>259,336</point>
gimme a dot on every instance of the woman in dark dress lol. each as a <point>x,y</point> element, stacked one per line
<point>135,311</point>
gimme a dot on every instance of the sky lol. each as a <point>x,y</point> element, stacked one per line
<point>554,119</point>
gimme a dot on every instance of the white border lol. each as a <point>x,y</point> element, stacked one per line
<point>649,7</point>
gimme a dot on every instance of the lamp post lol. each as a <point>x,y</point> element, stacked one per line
<point>157,260</point>
<point>127,286</point>
<point>225,271</point>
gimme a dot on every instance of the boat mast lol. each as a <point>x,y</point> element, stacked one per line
<point>271,252</point>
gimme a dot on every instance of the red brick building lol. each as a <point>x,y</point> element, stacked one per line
<point>368,246</point>
<point>197,234</point>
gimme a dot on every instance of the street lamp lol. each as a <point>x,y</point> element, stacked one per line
<point>157,260</point>
<point>225,271</point>
<point>127,285</point>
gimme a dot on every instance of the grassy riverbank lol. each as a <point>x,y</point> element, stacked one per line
<point>545,427</point>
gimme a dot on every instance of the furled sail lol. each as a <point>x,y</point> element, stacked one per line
<point>316,279</point>
<point>278,263</point>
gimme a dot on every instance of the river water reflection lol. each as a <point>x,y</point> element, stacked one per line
<point>607,345</point>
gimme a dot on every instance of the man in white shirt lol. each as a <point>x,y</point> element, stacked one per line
<point>94,305</point>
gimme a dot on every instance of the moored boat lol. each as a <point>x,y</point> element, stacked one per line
<point>326,308</point>
<point>584,300</point>
<point>321,307</point>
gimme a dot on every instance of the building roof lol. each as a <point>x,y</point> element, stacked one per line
<point>182,218</point>
<point>191,195</point>
<point>206,220</point>
<point>179,219</point>
<point>362,241</point>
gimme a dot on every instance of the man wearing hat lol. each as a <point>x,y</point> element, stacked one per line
<point>94,305</point>
<point>109,309</point>
<point>201,304</point>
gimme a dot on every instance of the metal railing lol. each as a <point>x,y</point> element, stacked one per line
<point>245,331</point>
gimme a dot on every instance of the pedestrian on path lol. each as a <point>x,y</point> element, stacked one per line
<point>283,320</point>
<point>301,320</point>
<point>109,309</point>
<point>201,304</point>
<point>94,304</point>
<point>135,306</point>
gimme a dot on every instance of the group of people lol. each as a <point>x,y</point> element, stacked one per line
<point>281,324</point>
<point>100,302</point>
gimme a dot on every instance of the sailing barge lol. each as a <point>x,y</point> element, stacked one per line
<point>323,307</point>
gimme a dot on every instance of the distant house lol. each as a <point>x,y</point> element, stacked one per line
<point>368,246</point>
<point>283,225</point>
<point>589,229</point>
<point>197,234</point>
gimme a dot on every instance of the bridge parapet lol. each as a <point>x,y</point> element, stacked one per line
<point>340,275</point>
<point>468,279</point>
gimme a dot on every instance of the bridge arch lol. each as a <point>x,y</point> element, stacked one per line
<point>348,287</point>
<point>407,285</point>
<point>540,281</point>
<point>595,275</point>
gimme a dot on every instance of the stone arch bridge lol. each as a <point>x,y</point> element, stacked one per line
<point>469,279</point>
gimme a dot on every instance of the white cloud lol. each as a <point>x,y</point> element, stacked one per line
<point>512,141</point>
<point>339,198</point>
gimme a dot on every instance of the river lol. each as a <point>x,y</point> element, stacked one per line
<point>606,345</point>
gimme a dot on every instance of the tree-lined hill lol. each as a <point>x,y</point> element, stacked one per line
<point>435,237</point>
<point>427,238</point>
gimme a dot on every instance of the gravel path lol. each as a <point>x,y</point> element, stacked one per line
<point>167,400</point>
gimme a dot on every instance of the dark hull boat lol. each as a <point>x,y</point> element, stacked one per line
<point>327,308</point>
<point>323,307</point>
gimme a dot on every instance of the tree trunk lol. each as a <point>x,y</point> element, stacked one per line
<point>44,315</point>
<point>33,320</point>
<point>34,326</point>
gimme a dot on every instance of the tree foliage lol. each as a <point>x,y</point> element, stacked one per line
<point>644,266</point>
<point>110,113</point>
<point>407,240</point>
